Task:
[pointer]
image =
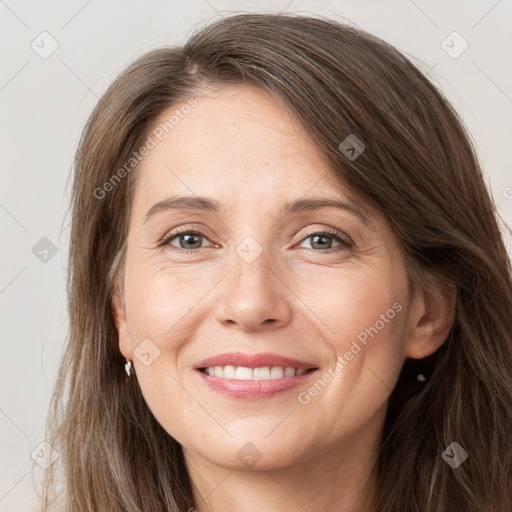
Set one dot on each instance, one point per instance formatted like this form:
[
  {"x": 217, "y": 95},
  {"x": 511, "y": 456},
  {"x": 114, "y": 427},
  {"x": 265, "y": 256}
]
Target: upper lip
[{"x": 253, "y": 361}]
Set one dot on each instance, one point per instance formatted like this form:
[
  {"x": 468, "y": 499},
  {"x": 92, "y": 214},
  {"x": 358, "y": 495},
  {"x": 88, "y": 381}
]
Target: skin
[{"x": 298, "y": 299}]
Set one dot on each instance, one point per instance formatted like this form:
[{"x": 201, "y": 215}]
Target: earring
[{"x": 128, "y": 368}]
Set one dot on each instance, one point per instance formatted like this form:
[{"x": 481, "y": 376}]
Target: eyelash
[{"x": 345, "y": 241}]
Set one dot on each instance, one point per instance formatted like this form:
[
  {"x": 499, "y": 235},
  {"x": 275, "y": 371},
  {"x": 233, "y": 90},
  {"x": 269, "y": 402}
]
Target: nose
[{"x": 255, "y": 296}]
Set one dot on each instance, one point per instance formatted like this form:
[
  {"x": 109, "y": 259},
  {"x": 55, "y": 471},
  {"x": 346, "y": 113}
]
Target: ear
[
  {"x": 431, "y": 319},
  {"x": 119, "y": 312}
]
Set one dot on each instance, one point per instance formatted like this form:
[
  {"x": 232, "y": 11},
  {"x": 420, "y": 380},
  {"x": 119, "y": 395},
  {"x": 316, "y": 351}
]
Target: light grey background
[{"x": 45, "y": 102}]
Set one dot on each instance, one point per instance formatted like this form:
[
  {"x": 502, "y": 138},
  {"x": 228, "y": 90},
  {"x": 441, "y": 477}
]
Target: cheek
[
  {"x": 159, "y": 298},
  {"x": 351, "y": 304},
  {"x": 362, "y": 317}
]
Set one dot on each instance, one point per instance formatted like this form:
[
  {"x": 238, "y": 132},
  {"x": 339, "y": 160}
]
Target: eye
[
  {"x": 189, "y": 240},
  {"x": 320, "y": 239}
]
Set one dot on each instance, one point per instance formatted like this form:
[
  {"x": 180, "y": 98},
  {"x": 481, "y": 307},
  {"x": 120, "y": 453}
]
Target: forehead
[
  {"x": 235, "y": 136},
  {"x": 237, "y": 144}
]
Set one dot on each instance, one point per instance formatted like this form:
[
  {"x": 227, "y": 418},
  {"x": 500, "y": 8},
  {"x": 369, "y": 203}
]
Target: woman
[{"x": 289, "y": 290}]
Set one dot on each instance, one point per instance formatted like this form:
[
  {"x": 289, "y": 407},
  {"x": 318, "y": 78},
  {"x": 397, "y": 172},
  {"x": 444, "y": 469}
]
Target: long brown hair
[{"x": 419, "y": 168}]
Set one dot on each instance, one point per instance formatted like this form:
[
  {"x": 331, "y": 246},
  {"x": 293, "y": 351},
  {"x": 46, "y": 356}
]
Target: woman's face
[{"x": 241, "y": 275}]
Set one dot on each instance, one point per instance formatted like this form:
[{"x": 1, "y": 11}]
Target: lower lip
[{"x": 253, "y": 389}]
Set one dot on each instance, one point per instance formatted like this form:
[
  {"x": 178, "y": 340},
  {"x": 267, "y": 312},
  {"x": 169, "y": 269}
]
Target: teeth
[
  {"x": 229, "y": 372},
  {"x": 289, "y": 372},
  {"x": 262, "y": 373},
  {"x": 244, "y": 373},
  {"x": 277, "y": 372}
]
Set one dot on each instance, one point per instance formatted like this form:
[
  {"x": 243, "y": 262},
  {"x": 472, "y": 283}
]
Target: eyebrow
[{"x": 211, "y": 205}]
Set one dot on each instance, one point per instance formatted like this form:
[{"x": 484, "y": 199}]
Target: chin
[{"x": 250, "y": 453}]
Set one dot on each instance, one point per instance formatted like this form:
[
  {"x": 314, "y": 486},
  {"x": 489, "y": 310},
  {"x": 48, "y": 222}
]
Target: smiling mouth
[{"x": 258, "y": 373}]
